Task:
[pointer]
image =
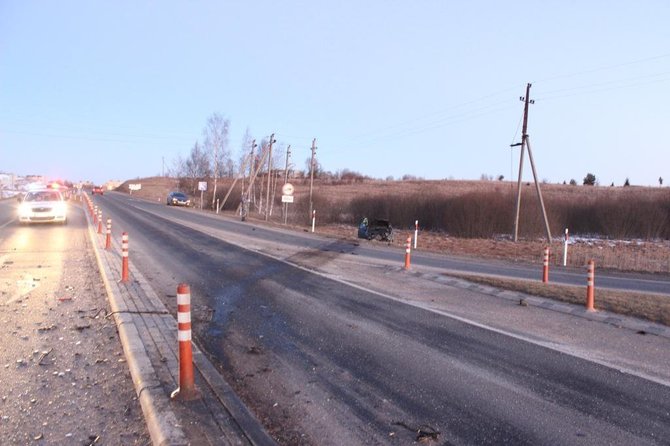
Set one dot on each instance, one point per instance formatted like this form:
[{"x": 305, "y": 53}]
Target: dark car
[
  {"x": 178, "y": 199},
  {"x": 375, "y": 229},
  {"x": 97, "y": 190}
]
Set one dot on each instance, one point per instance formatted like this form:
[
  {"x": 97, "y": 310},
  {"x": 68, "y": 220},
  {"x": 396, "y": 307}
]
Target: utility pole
[
  {"x": 288, "y": 156},
  {"x": 267, "y": 196},
  {"x": 245, "y": 194},
  {"x": 311, "y": 177},
  {"x": 525, "y": 142}
]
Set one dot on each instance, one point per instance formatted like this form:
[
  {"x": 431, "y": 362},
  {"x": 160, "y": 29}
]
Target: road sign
[
  {"x": 137, "y": 186},
  {"x": 287, "y": 198},
  {"x": 202, "y": 185},
  {"x": 287, "y": 189}
]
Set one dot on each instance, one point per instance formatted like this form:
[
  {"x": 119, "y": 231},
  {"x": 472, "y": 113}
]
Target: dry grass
[
  {"x": 652, "y": 307},
  {"x": 636, "y": 255},
  {"x": 642, "y": 256}
]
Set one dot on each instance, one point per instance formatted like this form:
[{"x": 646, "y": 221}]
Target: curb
[
  {"x": 161, "y": 420},
  {"x": 640, "y": 326}
]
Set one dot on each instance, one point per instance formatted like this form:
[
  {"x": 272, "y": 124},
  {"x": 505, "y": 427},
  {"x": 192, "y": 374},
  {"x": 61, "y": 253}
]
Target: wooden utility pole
[
  {"x": 254, "y": 174},
  {"x": 526, "y": 143},
  {"x": 245, "y": 199},
  {"x": 243, "y": 168},
  {"x": 267, "y": 194},
  {"x": 288, "y": 156},
  {"x": 311, "y": 177}
]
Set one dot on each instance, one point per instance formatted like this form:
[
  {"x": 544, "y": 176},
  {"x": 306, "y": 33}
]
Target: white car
[{"x": 46, "y": 205}]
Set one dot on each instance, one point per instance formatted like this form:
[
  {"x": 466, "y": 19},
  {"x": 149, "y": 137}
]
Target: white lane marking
[{"x": 548, "y": 345}]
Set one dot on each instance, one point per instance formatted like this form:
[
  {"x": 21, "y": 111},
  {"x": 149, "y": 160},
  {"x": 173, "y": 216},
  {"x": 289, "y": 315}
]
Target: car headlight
[
  {"x": 24, "y": 209},
  {"x": 60, "y": 208}
]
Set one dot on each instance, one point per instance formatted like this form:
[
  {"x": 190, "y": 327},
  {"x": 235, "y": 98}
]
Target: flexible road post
[
  {"x": 408, "y": 249},
  {"x": 217, "y": 206},
  {"x": 565, "y": 249},
  {"x": 545, "y": 266},
  {"x": 99, "y": 221},
  {"x": 416, "y": 232},
  {"x": 95, "y": 215},
  {"x": 108, "y": 240},
  {"x": 186, "y": 390},
  {"x": 590, "y": 286},
  {"x": 313, "y": 219},
  {"x": 124, "y": 257}
]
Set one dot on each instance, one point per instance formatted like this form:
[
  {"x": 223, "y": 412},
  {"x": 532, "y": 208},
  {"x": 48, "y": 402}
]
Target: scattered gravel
[{"x": 63, "y": 376}]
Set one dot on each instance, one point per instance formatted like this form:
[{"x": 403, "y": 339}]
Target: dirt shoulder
[{"x": 620, "y": 255}]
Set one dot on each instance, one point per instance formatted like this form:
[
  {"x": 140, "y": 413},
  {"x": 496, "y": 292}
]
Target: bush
[
  {"x": 628, "y": 214},
  {"x": 589, "y": 180}
]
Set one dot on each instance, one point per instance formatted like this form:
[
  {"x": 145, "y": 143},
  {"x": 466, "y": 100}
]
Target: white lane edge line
[{"x": 548, "y": 345}]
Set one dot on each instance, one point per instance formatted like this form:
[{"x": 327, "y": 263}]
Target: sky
[{"x": 98, "y": 90}]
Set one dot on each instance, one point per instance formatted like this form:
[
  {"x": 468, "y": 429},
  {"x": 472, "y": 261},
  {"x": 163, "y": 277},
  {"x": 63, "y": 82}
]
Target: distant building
[
  {"x": 7, "y": 180},
  {"x": 112, "y": 184}
]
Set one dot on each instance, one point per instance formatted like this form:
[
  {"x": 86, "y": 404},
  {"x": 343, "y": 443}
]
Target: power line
[
  {"x": 604, "y": 68},
  {"x": 602, "y": 86}
]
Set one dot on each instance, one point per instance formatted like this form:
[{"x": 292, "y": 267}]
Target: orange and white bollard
[
  {"x": 408, "y": 249},
  {"x": 108, "y": 240},
  {"x": 545, "y": 266},
  {"x": 95, "y": 215},
  {"x": 186, "y": 390},
  {"x": 99, "y": 221},
  {"x": 565, "y": 248},
  {"x": 416, "y": 232},
  {"x": 590, "y": 286},
  {"x": 124, "y": 257}
]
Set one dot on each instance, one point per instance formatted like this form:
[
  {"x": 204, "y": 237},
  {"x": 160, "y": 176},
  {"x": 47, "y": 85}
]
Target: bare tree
[
  {"x": 216, "y": 145},
  {"x": 196, "y": 166},
  {"x": 178, "y": 168},
  {"x": 318, "y": 169}
]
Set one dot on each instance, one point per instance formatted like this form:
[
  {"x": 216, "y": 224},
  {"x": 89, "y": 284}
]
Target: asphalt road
[
  {"x": 323, "y": 362},
  {"x": 653, "y": 283}
]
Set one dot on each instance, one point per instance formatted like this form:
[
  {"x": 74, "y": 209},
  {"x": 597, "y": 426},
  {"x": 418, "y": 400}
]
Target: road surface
[{"x": 322, "y": 361}]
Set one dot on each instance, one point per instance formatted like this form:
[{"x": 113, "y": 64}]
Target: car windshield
[
  {"x": 42, "y": 196},
  {"x": 179, "y": 195}
]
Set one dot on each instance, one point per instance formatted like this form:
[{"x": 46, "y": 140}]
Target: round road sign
[{"x": 287, "y": 189}]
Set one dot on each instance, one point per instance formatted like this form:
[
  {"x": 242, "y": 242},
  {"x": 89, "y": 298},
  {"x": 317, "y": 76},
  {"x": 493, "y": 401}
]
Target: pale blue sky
[{"x": 94, "y": 90}]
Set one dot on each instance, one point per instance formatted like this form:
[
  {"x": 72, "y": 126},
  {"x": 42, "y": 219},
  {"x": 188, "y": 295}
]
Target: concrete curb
[
  {"x": 634, "y": 324},
  {"x": 161, "y": 420}
]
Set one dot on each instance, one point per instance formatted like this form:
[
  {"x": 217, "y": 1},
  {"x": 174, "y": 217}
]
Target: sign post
[
  {"x": 286, "y": 198},
  {"x": 202, "y": 187}
]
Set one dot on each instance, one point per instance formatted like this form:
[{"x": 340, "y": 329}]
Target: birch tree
[
  {"x": 216, "y": 146},
  {"x": 197, "y": 166}
]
